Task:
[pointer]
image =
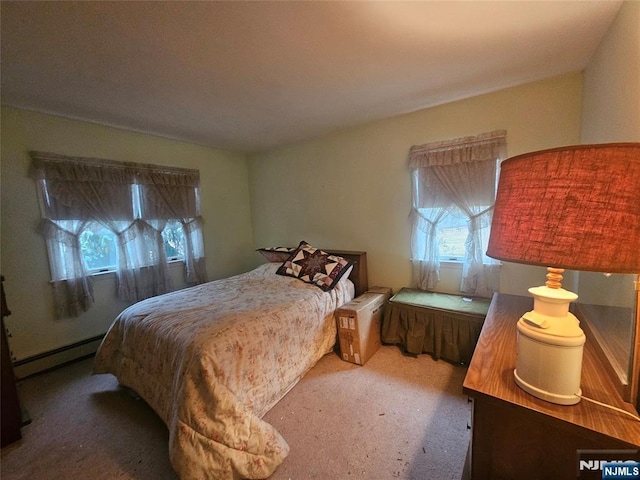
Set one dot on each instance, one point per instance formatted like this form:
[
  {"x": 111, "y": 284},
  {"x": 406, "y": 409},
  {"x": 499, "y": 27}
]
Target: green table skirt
[{"x": 443, "y": 325}]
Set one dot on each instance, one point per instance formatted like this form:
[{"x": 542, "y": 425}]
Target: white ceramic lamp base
[{"x": 550, "y": 348}]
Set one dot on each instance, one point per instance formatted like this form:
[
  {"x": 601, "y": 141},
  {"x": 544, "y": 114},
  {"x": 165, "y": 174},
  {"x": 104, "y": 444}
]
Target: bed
[{"x": 212, "y": 359}]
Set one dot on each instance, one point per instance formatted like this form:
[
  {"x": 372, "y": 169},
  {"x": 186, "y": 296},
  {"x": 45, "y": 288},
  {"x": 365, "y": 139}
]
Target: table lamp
[{"x": 578, "y": 208}]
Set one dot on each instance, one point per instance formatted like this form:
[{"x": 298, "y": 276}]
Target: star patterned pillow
[{"x": 314, "y": 266}]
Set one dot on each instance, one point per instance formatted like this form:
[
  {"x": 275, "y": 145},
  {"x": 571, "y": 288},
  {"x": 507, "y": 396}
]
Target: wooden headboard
[{"x": 359, "y": 273}]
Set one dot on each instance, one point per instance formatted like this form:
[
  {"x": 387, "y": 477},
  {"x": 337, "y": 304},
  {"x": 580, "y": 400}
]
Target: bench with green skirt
[{"x": 444, "y": 325}]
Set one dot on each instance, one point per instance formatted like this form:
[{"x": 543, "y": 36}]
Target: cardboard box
[
  {"x": 359, "y": 326},
  {"x": 383, "y": 290}
]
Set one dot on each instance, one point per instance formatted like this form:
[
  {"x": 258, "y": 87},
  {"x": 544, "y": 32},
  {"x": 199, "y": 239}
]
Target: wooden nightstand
[{"x": 518, "y": 436}]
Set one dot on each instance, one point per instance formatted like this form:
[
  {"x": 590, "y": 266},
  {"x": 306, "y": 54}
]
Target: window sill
[
  {"x": 102, "y": 273},
  {"x": 107, "y": 273},
  {"x": 457, "y": 263},
  {"x": 451, "y": 263}
]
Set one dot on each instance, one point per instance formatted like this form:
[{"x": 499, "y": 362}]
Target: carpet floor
[{"x": 397, "y": 417}]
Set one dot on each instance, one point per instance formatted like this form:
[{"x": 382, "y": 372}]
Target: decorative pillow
[
  {"x": 276, "y": 254},
  {"x": 314, "y": 266}
]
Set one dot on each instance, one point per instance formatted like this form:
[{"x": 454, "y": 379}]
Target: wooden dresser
[
  {"x": 10, "y": 406},
  {"x": 518, "y": 436}
]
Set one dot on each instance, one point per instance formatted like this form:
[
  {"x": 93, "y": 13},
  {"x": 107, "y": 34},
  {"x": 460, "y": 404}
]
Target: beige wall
[
  {"x": 611, "y": 101},
  {"x": 351, "y": 189},
  {"x": 24, "y": 264}
]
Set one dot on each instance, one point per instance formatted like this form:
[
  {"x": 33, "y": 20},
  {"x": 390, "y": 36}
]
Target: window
[
  {"x": 451, "y": 241},
  {"x": 98, "y": 247},
  {"x": 101, "y": 215},
  {"x": 453, "y": 192},
  {"x": 452, "y": 234},
  {"x": 173, "y": 238},
  {"x": 100, "y": 253}
]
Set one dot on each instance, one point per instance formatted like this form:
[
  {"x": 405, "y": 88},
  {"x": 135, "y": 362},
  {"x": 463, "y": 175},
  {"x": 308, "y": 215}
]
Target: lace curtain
[
  {"x": 134, "y": 201},
  {"x": 166, "y": 197},
  {"x": 453, "y": 183}
]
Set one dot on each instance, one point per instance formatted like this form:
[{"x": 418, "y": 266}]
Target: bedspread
[{"x": 212, "y": 359}]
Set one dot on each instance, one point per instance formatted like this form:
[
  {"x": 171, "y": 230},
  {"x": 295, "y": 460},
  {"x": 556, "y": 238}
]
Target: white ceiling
[{"x": 249, "y": 76}]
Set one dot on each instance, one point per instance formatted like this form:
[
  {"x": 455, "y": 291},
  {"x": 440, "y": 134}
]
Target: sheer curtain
[
  {"x": 427, "y": 213},
  {"x": 142, "y": 263},
  {"x": 74, "y": 191},
  {"x": 455, "y": 179},
  {"x": 72, "y": 288},
  {"x": 168, "y": 196}
]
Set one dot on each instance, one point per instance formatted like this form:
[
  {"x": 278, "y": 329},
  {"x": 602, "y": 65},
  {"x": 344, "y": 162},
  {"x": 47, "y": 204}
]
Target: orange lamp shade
[{"x": 575, "y": 207}]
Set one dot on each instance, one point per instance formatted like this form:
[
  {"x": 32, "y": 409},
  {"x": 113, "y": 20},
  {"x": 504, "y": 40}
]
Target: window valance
[
  {"x": 483, "y": 147},
  {"x": 50, "y": 166}
]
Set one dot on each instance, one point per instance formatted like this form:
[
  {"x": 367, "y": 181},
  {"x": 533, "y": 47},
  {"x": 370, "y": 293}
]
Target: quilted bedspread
[{"x": 212, "y": 359}]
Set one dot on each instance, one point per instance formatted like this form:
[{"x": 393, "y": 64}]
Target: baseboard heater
[{"x": 56, "y": 358}]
